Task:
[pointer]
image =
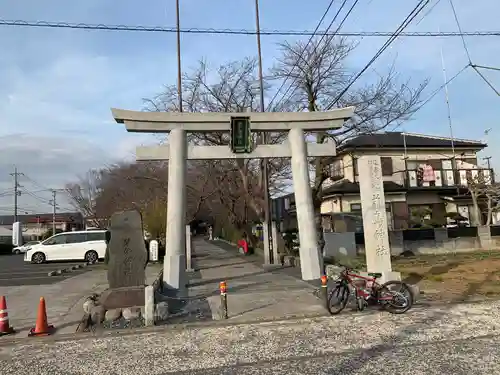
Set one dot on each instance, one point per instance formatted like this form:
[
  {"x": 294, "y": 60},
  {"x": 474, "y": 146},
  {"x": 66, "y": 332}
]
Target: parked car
[
  {"x": 87, "y": 246},
  {"x": 23, "y": 248}
]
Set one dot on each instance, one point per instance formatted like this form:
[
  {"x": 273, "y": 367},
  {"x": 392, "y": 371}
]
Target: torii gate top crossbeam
[{"x": 164, "y": 122}]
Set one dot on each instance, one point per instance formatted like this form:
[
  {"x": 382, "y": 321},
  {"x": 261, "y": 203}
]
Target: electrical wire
[
  {"x": 486, "y": 80},
  {"x": 460, "y": 30},
  {"x": 475, "y": 67},
  {"x": 43, "y": 187},
  {"x": 434, "y": 93},
  {"x": 415, "y": 11},
  {"x": 161, "y": 29},
  {"x": 295, "y": 87},
  {"x": 428, "y": 12},
  {"x": 303, "y": 50}
]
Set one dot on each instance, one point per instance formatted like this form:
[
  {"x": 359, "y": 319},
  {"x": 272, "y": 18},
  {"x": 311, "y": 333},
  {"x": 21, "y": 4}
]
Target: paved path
[
  {"x": 458, "y": 340},
  {"x": 64, "y": 300},
  {"x": 253, "y": 293},
  {"x": 14, "y": 271}
]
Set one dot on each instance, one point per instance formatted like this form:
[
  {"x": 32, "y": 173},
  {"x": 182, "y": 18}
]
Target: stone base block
[{"x": 122, "y": 297}]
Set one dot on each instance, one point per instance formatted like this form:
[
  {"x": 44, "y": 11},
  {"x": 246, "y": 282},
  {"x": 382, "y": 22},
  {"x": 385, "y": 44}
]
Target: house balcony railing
[
  {"x": 336, "y": 174},
  {"x": 450, "y": 178}
]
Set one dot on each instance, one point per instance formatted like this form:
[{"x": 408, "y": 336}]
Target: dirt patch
[{"x": 453, "y": 277}]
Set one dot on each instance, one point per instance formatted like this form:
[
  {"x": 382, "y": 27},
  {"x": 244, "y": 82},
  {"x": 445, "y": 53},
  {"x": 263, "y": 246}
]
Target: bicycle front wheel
[{"x": 337, "y": 299}]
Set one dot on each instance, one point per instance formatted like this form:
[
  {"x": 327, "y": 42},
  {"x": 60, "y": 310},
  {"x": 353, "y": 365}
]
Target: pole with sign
[
  {"x": 153, "y": 251},
  {"x": 17, "y": 234}
]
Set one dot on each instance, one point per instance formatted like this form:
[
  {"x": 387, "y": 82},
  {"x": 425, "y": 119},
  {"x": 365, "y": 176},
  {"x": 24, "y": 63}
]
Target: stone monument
[
  {"x": 371, "y": 186},
  {"x": 127, "y": 262}
]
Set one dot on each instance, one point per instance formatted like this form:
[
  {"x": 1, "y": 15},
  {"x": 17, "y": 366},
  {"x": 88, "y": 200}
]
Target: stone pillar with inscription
[{"x": 377, "y": 249}]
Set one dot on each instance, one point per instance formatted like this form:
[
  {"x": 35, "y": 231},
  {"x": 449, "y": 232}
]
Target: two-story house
[{"x": 425, "y": 178}]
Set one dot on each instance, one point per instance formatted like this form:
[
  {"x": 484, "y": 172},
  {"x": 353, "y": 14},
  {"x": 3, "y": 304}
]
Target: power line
[
  {"x": 303, "y": 50},
  {"x": 475, "y": 67},
  {"x": 415, "y": 11},
  {"x": 428, "y": 12},
  {"x": 325, "y": 44},
  {"x": 161, "y": 29},
  {"x": 460, "y": 30}
]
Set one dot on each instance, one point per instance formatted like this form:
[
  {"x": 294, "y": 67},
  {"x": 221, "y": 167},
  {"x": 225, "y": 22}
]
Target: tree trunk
[{"x": 477, "y": 212}]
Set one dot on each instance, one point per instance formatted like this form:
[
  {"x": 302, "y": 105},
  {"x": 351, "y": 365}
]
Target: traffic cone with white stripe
[{"x": 5, "y": 328}]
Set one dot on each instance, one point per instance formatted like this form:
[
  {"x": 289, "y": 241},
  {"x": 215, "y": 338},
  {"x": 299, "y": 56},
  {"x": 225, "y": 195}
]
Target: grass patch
[
  {"x": 448, "y": 277},
  {"x": 453, "y": 277}
]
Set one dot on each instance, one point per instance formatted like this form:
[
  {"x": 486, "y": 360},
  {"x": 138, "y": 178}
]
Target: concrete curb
[
  {"x": 59, "y": 272},
  {"x": 162, "y": 327}
]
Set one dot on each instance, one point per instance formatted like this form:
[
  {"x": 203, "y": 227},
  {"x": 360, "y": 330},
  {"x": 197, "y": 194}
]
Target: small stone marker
[
  {"x": 127, "y": 251},
  {"x": 149, "y": 306},
  {"x": 153, "y": 251},
  {"x": 189, "y": 248}
]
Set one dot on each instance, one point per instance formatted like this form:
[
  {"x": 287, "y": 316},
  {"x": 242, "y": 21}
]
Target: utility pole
[
  {"x": 263, "y": 140},
  {"x": 17, "y": 193},
  {"x": 179, "y": 68},
  {"x": 53, "y": 201}
]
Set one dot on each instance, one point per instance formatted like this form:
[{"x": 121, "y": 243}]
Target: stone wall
[
  {"x": 440, "y": 245},
  {"x": 336, "y": 244}
]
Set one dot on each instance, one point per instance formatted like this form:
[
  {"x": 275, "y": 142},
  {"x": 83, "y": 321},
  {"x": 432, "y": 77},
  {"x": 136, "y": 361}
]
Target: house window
[
  {"x": 356, "y": 207},
  {"x": 337, "y": 169},
  {"x": 386, "y": 163}
]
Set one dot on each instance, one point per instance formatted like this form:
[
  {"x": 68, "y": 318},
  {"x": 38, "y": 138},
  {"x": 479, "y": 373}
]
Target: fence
[
  {"x": 419, "y": 241},
  {"x": 430, "y": 233}
]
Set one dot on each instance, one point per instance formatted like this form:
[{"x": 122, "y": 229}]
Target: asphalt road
[{"x": 14, "y": 271}]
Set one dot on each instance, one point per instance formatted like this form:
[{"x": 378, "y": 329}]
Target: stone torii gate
[{"x": 177, "y": 151}]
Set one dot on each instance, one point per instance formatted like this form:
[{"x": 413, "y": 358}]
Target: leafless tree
[
  {"x": 485, "y": 195},
  {"x": 233, "y": 88},
  {"x": 83, "y": 194},
  {"x": 140, "y": 186},
  {"x": 318, "y": 73}
]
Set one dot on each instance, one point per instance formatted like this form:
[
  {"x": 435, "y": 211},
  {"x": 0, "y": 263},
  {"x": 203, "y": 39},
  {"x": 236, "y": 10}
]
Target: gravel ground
[
  {"x": 123, "y": 323},
  {"x": 462, "y": 339}
]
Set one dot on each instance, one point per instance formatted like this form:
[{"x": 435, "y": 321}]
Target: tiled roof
[{"x": 399, "y": 139}]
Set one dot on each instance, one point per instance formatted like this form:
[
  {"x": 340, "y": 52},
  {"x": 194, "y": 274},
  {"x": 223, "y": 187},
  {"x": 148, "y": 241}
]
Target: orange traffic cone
[
  {"x": 5, "y": 328},
  {"x": 42, "y": 328}
]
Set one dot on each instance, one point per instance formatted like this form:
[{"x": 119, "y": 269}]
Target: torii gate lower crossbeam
[{"x": 178, "y": 152}]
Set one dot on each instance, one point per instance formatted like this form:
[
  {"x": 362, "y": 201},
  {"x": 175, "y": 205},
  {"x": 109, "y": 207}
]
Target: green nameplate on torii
[{"x": 240, "y": 137}]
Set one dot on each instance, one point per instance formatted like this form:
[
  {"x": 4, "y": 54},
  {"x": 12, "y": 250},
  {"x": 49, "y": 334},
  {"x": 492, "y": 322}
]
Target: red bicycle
[{"x": 368, "y": 291}]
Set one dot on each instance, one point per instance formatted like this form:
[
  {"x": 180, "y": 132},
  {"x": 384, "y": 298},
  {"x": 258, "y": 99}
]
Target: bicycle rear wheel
[
  {"x": 337, "y": 298},
  {"x": 395, "y": 297}
]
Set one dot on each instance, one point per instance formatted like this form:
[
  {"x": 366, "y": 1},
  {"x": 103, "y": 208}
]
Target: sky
[{"x": 57, "y": 85}]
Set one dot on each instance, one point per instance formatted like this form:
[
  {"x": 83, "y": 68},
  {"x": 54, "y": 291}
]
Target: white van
[{"x": 83, "y": 245}]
